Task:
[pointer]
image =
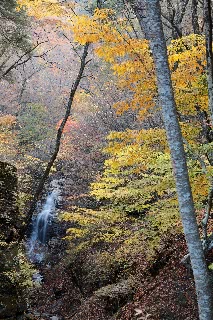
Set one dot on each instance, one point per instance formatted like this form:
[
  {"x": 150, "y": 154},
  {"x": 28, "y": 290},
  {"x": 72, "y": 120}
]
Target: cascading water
[
  {"x": 40, "y": 228},
  {"x": 44, "y": 218}
]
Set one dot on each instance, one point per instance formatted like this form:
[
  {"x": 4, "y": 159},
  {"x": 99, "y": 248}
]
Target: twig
[{"x": 18, "y": 62}]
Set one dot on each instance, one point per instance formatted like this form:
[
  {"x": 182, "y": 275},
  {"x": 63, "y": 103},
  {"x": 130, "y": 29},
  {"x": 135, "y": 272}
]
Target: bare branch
[
  {"x": 57, "y": 143},
  {"x": 18, "y": 62}
]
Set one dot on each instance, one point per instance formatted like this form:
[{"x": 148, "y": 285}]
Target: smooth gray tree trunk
[
  {"x": 207, "y": 13},
  {"x": 149, "y": 15}
]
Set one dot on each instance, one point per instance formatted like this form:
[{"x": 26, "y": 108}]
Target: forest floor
[{"x": 163, "y": 289}]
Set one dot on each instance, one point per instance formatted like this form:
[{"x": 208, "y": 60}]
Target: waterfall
[
  {"x": 40, "y": 227},
  {"x": 44, "y": 218}
]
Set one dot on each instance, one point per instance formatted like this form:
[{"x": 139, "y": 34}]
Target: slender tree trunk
[
  {"x": 57, "y": 142},
  {"x": 195, "y": 24},
  {"x": 209, "y": 57},
  {"x": 149, "y": 15}
]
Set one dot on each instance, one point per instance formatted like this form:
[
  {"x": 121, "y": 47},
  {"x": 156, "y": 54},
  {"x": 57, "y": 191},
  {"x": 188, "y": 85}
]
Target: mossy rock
[{"x": 9, "y": 216}]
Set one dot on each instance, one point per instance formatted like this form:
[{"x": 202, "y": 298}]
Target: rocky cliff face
[
  {"x": 8, "y": 245},
  {"x": 8, "y": 201}
]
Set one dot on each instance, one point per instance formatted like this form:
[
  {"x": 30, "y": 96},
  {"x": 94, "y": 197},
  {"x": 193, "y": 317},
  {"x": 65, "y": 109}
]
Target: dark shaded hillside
[
  {"x": 15, "y": 271},
  {"x": 168, "y": 288}
]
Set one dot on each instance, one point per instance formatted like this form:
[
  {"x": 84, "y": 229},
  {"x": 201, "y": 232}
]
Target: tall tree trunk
[
  {"x": 195, "y": 24},
  {"x": 57, "y": 142},
  {"x": 149, "y": 14},
  {"x": 209, "y": 57}
]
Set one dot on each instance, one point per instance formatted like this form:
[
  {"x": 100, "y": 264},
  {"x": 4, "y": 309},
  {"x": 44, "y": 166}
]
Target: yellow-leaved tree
[
  {"x": 132, "y": 159},
  {"x": 137, "y": 177}
]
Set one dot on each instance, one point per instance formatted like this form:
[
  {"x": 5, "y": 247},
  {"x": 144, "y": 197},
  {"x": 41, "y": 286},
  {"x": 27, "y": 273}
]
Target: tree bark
[
  {"x": 149, "y": 14},
  {"x": 195, "y": 24},
  {"x": 209, "y": 57},
  {"x": 57, "y": 142}
]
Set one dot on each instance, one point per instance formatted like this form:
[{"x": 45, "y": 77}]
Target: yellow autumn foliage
[
  {"x": 137, "y": 177},
  {"x": 42, "y": 9}
]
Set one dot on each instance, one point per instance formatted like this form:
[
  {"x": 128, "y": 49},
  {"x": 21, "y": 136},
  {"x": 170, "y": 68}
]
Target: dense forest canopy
[{"x": 84, "y": 111}]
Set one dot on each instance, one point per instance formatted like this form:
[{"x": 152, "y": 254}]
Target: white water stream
[{"x": 41, "y": 225}]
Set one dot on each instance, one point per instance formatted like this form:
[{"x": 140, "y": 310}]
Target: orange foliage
[
  {"x": 70, "y": 124},
  {"x": 7, "y": 121}
]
